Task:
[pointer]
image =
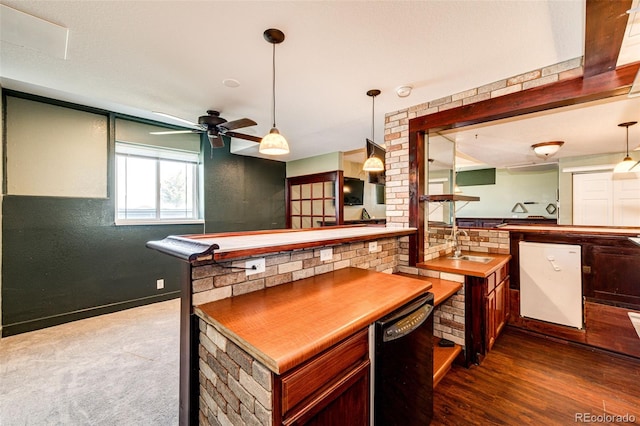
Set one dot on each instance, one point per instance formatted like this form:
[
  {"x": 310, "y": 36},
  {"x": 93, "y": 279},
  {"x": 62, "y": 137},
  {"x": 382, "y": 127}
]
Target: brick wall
[
  {"x": 235, "y": 389},
  {"x": 397, "y": 130},
  {"x": 212, "y": 282},
  {"x": 478, "y": 240}
]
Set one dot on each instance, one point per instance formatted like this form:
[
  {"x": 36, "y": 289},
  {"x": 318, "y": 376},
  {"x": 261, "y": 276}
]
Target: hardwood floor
[{"x": 532, "y": 380}]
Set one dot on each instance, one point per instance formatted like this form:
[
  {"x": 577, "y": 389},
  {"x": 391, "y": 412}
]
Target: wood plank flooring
[{"x": 531, "y": 380}]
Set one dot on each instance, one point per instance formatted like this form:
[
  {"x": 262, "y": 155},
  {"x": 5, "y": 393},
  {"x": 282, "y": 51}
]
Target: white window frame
[{"x": 125, "y": 149}]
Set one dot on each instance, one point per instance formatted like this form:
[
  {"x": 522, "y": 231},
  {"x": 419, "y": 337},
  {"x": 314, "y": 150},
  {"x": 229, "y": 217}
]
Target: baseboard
[{"x": 40, "y": 323}]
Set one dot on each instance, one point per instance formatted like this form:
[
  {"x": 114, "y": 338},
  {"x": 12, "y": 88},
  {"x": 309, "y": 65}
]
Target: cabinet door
[
  {"x": 490, "y": 319},
  {"x": 501, "y": 306},
  {"x": 347, "y": 404}
]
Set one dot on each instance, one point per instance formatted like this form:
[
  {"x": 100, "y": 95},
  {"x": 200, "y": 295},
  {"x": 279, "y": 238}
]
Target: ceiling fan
[{"x": 214, "y": 126}]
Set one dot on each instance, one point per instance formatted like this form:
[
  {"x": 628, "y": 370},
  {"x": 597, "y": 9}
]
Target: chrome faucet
[{"x": 456, "y": 242}]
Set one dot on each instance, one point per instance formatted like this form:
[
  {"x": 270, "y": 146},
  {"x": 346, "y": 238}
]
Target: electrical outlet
[
  {"x": 160, "y": 284},
  {"x": 326, "y": 254},
  {"x": 373, "y": 246},
  {"x": 259, "y": 266}
]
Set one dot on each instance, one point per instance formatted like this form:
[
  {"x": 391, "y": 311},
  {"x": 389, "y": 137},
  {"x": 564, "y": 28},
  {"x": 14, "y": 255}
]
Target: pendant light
[
  {"x": 628, "y": 163},
  {"x": 373, "y": 163},
  {"x": 274, "y": 143}
]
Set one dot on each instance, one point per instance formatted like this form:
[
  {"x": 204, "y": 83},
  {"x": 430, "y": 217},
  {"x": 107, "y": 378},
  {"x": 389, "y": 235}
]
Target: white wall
[{"x": 312, "y": 165}]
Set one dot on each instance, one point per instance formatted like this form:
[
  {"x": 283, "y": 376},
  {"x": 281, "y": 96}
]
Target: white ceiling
[
  {"x": 585, "y": 129},
  {"x": 137, "y": 57}
]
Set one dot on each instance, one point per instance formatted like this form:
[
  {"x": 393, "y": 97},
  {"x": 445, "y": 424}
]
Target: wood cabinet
[
  {"x": 486, "y": 312},
  {"x": 331, "y": 388}
]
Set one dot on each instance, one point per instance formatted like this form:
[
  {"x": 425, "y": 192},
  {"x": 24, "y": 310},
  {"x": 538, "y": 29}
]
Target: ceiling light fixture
[
  {"x": 274, "y": 143},
  {"x": 546, "y": 149},
  {"x": 373, "y": 163},
  {"x": 628, "y": 163}
]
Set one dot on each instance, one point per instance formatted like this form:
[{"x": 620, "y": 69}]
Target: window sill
[{"x": 125, "y": 222}]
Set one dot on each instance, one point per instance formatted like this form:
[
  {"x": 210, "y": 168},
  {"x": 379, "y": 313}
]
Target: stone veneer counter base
[{"x": 285, "y": 325}]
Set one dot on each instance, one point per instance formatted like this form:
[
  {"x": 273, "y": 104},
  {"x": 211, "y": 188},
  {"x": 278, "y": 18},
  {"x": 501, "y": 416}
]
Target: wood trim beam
[
  {"x": 563, "y": 93},
  {"x": 605, "y": 26}
]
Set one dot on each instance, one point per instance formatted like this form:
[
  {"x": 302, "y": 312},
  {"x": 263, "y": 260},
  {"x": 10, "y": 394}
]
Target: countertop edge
[
  {"x": 454, "y": 267},
  {"x": 193, "y": 248}
]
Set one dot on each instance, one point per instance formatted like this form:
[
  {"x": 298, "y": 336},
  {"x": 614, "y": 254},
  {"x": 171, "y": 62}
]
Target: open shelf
[
  {"x": 448, "y": 197},
  {"x": 442, "y": 360}
]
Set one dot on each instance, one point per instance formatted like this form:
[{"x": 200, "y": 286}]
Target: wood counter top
[
  {"x": 285, "y": 325},
  {"x": 466, "y": 267},
  {"x": 574, "y": 229}
]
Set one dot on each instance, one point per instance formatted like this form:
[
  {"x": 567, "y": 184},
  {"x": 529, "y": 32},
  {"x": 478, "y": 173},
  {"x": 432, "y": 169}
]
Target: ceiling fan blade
[
  {"x": 236, "y": 124},
  {"x": 243, "y": 136},
  {"x": 175, "y": 132},
  {"x": 173, "y": 117}
]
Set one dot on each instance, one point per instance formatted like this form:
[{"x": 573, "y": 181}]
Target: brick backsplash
[
  {"x": 212, "y": 282},
  {"x": 397, "y": 141}
]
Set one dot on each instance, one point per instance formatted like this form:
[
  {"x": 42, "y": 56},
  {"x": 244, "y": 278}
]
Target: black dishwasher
[{"x": 403, "y": 365}]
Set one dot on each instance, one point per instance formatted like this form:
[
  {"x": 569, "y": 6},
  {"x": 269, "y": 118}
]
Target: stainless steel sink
[{"x": 479, "y": 259}]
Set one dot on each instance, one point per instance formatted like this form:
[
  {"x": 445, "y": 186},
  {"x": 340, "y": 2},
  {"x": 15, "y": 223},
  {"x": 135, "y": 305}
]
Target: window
[{"x": 156, "y": 185}]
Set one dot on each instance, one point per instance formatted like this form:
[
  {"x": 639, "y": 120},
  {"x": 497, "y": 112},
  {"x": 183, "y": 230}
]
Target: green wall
[
  {"x": 242, "y": 193},
  {"x": 497, "y": 201},
  {"x": 64, "y": 259}
]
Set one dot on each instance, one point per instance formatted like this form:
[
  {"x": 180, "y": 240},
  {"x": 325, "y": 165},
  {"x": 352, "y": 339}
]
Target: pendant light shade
[
  {"x": 628, "y": 163},
  {"x": 274, "y": 143},
  {"x": 373, "y": 163}
]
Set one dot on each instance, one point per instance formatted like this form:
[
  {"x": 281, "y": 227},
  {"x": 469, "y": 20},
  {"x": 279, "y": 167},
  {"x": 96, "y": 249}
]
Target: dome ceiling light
[{"x": 547, "y": 149}]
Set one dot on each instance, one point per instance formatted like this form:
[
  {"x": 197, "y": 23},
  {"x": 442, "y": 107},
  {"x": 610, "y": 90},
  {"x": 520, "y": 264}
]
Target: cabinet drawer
[
  {"x": 491, "y": 282},
  {"x": 502, "y": 273},
  {"x": 324, "y": 369}
]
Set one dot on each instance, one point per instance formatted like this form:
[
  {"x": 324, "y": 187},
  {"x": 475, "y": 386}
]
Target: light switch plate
[
  {"x": 258, "y": 263},
  {"x": 373, "y": 246},
  {"x": 326, "y": 254}
]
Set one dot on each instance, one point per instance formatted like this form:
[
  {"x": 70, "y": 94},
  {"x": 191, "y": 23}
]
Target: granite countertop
[
  {"x": 467, "y": 267},
  {"x": 284, "y": 326}
]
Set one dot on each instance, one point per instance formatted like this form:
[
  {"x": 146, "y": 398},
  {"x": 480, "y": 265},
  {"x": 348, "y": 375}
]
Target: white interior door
[
  {"x": 593, "y": 199},
  {"x": 626, "y": 199}
]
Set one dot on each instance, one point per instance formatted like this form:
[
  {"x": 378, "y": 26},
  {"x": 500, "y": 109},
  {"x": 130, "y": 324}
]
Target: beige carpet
[{"x": 115, "y": 369}]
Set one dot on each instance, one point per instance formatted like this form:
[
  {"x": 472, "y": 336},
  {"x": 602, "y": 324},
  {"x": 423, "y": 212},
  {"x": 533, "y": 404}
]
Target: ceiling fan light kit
[
  {"x": 547, "y": 149},
  {"x": 274, "y": 143},
  {"x": 373, "y": 163},
  {"x": 628, "y": 163}
]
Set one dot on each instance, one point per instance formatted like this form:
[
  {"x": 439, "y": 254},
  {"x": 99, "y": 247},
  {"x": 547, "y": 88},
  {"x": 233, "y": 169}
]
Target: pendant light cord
[
  {"x": 627, "y": 141},
  {"x": 273, "y": 85},
  {"x": 373, "y": 123}
]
